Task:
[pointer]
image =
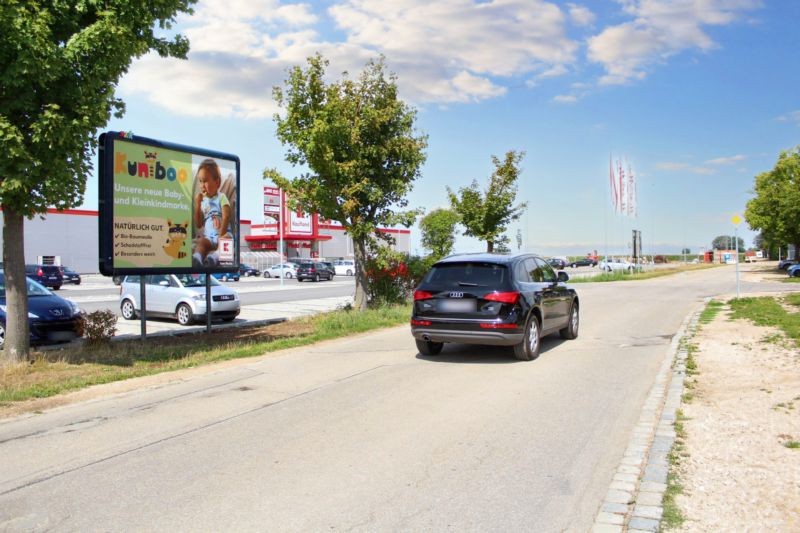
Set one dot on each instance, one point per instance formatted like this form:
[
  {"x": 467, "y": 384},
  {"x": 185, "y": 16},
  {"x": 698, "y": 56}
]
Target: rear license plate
[
  {"x": 58, "y": 336},
  {"x": 457, "y": 306}
]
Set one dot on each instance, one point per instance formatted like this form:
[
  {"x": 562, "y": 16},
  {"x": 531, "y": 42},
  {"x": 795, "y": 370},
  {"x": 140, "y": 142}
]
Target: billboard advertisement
[{"x": 166, "y": 207}]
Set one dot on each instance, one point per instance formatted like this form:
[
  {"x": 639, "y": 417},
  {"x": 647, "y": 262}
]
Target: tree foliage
[
  {"x": 485, "y": 215},
  {"x": 438, "y": 232},
  {"x": 357, "y": 140},
  {"x": 727, "y": 242},
  {"x": 59, "y": 65},
  {"x": 775, "y": 209}
]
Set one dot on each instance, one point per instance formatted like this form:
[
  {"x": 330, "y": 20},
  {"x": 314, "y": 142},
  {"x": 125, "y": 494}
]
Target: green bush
[
  {"x": 392, "y": 276},
  {"x": 98, "y": 326}
]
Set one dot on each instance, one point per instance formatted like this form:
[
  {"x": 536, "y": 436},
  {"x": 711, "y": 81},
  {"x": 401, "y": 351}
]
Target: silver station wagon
[{"x": 178, "y": 296}]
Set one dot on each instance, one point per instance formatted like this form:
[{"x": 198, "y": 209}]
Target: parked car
[
  {"x": 784, "y": 264},
  {"x": 582, "y": 262},
  {"x": 314, "y": 271},
  {"x": 557, "y": 263},
  {"x": 330, "y": 267},
  {"x": 247, "y": 270},
  {"x": 287, "y": 270},
  {"x": 48, "y": 275},
  {"x": 226, "y": 276},
  {"x": 51, "y": 318},
  {"x": 616, "y": 265},
  {"x": 178, "y": 296},
  {"x": 794, "y": 271},
  {"x": 503, "y": 300},
  {"x": 70, "y": 276},
  {"x": 344, "y": 267}
]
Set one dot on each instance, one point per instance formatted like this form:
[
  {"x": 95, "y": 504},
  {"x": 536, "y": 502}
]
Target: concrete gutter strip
[{"x": 634, "y": 499}]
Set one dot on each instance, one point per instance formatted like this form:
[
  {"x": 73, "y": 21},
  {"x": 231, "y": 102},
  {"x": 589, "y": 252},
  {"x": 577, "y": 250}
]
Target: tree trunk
[
  {"x": 17, "y": 334},
  {"x": 360, "y": 299},
  {"x": 490, "y": 246}
]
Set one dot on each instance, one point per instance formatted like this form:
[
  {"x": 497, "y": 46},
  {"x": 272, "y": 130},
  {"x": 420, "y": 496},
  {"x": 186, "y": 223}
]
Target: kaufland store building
[{"x": 72, "y": 235}]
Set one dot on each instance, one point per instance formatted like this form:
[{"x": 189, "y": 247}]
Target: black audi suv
[{"x": 502, "y": 300}]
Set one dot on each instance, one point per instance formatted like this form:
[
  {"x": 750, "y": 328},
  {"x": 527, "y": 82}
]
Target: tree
[
  {"x": 60, "y": 64},
  {"x": 775, "y": 209},
  {"x": 438, "y": 232},
  {"x": 727, "y": 242},
  {"x": 357, "y": 139},
  {"x": 502, "y": 245},
  {"x": 486, "y": 215}
]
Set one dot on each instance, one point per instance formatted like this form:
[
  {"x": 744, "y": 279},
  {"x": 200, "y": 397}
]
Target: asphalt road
[{"x": 362, "y": 433}]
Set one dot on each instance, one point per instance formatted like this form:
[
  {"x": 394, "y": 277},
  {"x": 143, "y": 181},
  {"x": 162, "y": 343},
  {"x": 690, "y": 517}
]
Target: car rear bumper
[{"x": 493, "y": 337}]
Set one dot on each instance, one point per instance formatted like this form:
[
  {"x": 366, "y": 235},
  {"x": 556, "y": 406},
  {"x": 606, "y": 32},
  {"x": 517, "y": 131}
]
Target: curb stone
[{"x": 646, "y": 457}]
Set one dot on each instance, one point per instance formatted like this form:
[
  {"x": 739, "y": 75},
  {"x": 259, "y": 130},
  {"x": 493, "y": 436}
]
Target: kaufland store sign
[{"x": 296, "y": 223}]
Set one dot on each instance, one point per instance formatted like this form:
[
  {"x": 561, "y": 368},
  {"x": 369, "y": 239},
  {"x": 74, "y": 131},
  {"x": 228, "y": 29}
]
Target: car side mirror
[
  {"x": 563, "y": 276},
  {"x": 164, "y": 283}
]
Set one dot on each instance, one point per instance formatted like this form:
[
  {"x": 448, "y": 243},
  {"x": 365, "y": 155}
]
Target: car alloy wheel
[
  {"x": 128, "y": 310},
  {"x": 316, "y": 277},
  {"x": 570, "y": 332},
  {"x": 528, "y": 349},
  {"x": 349, "y": 272},
  {"x": 2, "y": 335},
  {"x": 289, "y": 276},
  {"x": 184, "y": 315}
]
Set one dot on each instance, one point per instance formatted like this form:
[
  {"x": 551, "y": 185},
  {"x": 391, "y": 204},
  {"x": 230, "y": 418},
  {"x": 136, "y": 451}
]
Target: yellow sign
[{"x": 736, "y": 219}]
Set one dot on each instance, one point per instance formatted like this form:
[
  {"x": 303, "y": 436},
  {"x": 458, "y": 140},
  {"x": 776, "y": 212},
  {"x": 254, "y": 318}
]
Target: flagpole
[{"x": 280, "y": 234}]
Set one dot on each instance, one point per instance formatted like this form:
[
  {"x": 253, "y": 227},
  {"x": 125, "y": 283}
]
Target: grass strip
[
  {"x": 672, "y": 516},
  {"x": 710, "y": 311},
  {"x": 635, "y": 276},
  {"x": 767, "y": 311},
  {"x": 57, "y": 372}
]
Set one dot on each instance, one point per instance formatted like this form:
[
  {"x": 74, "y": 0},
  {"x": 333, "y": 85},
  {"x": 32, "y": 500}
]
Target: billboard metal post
[
  {"x": 208, "y": 303},
  {"x": 143, "y": 307}
]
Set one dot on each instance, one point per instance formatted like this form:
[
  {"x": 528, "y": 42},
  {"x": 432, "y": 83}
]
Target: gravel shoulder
[{"x": 737, "y": 472}]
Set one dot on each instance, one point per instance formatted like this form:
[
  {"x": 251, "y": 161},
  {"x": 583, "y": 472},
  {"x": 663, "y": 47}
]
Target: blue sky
[{"x": 699, "y": 95}]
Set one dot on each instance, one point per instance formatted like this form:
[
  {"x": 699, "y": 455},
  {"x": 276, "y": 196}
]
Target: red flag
[
  {"x": 614, "y": 197},
  {"x": 622, "y": 196}
]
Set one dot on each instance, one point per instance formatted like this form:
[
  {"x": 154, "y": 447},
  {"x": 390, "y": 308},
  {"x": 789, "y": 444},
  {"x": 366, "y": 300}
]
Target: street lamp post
[{"x": 736, "y": 219}]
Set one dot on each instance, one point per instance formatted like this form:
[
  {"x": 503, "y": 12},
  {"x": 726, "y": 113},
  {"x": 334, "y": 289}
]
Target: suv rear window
[{"x": 452, "y": 275}]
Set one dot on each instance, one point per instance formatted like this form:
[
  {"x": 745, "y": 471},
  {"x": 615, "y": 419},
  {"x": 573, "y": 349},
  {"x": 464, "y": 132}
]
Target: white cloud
[
  {"x": 426, "y": 41},
  {"x": 794, "y": 116},
  {"x": 580, "y": 15},
  {"x": 726, "y": 160},
  {"x": 683, "y": 167},
  {"x": 671, "y": 166},
  {"x": 565, "y": 99},
  {"x": 659, "y": 29},
  {"x": 446, "y": 51}
]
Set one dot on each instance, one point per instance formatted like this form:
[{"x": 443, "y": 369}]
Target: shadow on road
[{"x": 485, "y": 355}]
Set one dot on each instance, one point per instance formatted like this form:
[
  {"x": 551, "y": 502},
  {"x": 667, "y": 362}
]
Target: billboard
[{"x": 166, "y": 208}]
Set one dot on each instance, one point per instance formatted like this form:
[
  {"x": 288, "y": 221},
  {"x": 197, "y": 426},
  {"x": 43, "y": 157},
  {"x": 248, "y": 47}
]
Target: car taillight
[
  {"x": 503, "y": 297},
  {"x": 495, "y": 325},
  {"x": 422, "y": 295},
  {"x": 39, "y": 272},
  {"x": 420, "y": 322}
]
